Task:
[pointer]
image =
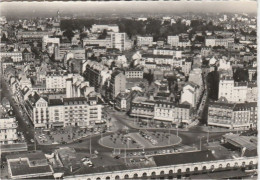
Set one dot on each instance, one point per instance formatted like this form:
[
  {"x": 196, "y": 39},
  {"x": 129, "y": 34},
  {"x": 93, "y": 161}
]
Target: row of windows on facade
[{"x": 170, "y": 172}]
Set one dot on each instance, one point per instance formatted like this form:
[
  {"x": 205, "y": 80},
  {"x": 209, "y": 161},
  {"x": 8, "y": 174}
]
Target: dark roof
[
  {"x": 23, "y": 168},
  {"x": 55, "y": 102},
  {"x": 26, "y": 50},
  {"x": 242, "y": 106},
  {"x": 184, "y": 158},
  {"x": 221, "y": 175},
  {"x": 75, "y": 100},
  {"x": 31, "y": 156},
  {"x": 7, "y": 60},
  {"x": 156, "y": 56},
  {"x": 221, "y": 105},
  {"x": 187, "y": 106},
  {"x": 163, "y": 94}
]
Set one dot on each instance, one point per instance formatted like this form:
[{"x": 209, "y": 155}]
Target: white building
[
  {"x": 118, "y": 41},
  {"x": 213, "y": 41},
  {"x": 56, "y": 80},
  {"x": 186, "y": 67},
  {"x": 170, "y": 52},
  {"x": 15, "y": 55},
  {"x": 173, "y": 40},
  {"x": 134, "y": 73},
  {"x": 190, "y": 94},
  {"x": 75, "y": 111},
  {"x": 8, "y": 130},
  {"x": 46, "y": 40},
  {"x": 100, "y": 42},
  {"x": 76, "y": 86},
  {"x": 233, "y": 91},
  {"x": 195, "y": 76},
  {"x": 144, "y": 40}
]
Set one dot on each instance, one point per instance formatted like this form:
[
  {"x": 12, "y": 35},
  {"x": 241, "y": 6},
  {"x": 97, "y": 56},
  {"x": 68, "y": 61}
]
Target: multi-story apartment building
[
  {"x": 144, "y": 40},
  {"x": 56, "y": 80},
  {"x": 41, "y": 113},
  {"x": 46, "y": 41},
  {"x": 195, "y": 76},
  {"x": 122, "y": 101},
  {"x": 184, "y": 43},
  {"x": 162, "y": 59},
  {"x": 143, "y": 108},
  {"x": 101, "y": 27},
  {"x": 252, "y": 94},
  {"x": 213, "y": 41},
  {"x": 166, "y": 111},
  {"x": 232, "y": 116},
  {"x": 75, "y": 111},
  {"x": 160, "y": 111},
  {"x": 134, "y": 73},
  {"x": 169, "y": 52},
  {"x": 76, "y": 86},
  {"x": 186, "y": 67},
  {"x": 100, "y": 42},
  {"x": 16, "y": 56},
  {"x": 236, "y": 91},
  {"x": 33, "y": 34},
  {"x": 56, "y": 113},
  {"x": 117, "y": 84},
  {"x": 173, "y": 40},
  {"x": 118, "y": 41},
  {"x": 8, "y": 130},
  {"x": 190, "y": 94},
  {"x": 96, "y": 74}
]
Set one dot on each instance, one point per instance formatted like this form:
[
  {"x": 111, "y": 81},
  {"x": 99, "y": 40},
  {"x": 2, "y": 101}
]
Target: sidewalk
[
  {"x": 130, "y": 123},
  {"x": 215, "y": 129}
]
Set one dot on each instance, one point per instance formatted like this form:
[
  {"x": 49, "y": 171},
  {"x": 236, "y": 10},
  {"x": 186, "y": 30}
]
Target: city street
[
  {"x": 28, "y": 131},
  {"x": 190, "y": 137}
]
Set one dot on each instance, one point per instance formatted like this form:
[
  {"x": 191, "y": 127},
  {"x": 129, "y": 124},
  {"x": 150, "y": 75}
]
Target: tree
[
  {"x": 4, "y": 38},
  {"x": 241, "y": 75},
  {"x": 69, "y": 34},
  {"x": 148, "y": 77},
  {"x": 103, "y": 35}
]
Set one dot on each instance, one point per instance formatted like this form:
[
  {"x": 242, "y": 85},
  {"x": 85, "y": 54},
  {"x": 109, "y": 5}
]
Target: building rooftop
[
  {"x": 29, "y": 164},
  {"x": 156, "y": 56},
  {"x": 184, "y": 158},
  {"x": 250, "y": 142}
]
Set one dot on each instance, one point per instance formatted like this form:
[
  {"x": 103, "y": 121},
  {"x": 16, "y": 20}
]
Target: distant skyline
[{"x": 48, "y": 9}]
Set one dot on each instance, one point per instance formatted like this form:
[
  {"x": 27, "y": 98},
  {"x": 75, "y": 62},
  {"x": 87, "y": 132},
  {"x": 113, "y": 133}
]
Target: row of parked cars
[{"x": 148, "y": 137}]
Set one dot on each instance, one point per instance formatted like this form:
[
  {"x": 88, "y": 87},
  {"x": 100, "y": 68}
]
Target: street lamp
[
  {"x": 90, "y": 145},
  {"x": 177, "y": 130},
  {"x": 208, "y": 135}
]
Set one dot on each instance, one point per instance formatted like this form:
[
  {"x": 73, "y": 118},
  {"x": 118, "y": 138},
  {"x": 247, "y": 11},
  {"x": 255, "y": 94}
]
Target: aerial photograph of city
[{"x": 128, "y": 90}]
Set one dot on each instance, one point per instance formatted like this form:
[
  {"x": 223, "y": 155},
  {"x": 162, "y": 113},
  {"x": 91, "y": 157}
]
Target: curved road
[{"x": 190, "y": 137}]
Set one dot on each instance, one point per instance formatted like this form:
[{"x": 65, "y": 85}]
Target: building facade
[
  {"x": 8, "y": 130},
  {"x": 75, "y": 111},
  {"x": 118, "y": 41},
  {"x": 117, "y": 84},
  {"x": 144, "y": 40},
  {"x": 232, "y": 116},
  {"x": 237, "y": 91}
]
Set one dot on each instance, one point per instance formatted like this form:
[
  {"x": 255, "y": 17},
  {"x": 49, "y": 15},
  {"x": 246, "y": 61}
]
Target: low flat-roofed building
[
  {"x": 28, "y": 165},
  {"x": 248, "y": 142}
]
